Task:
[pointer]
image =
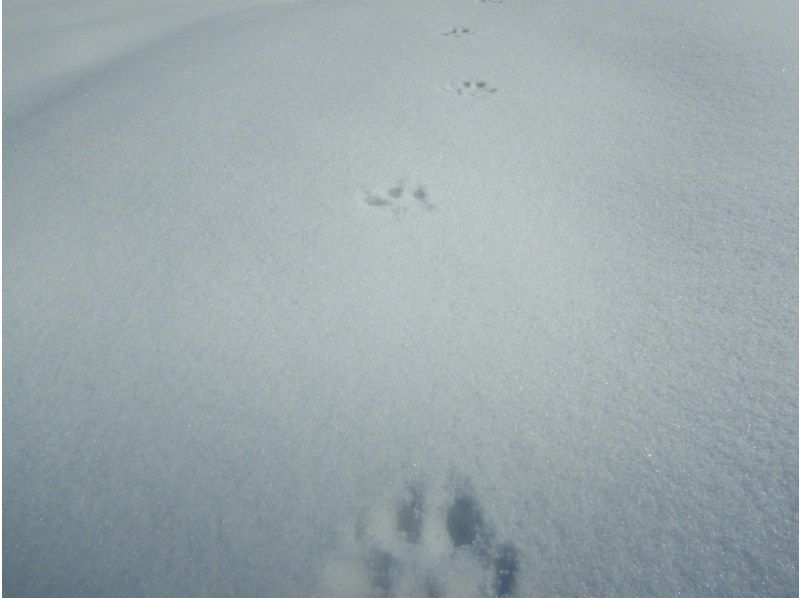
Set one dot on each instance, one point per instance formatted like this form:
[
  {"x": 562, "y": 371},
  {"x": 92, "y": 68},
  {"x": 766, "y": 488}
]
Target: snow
[{"x": 270, "y": 264}]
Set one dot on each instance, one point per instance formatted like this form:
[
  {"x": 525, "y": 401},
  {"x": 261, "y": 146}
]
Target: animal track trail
[
  {"x": 400, "y": 199},
  {"x": 430, "y": 540},
  {"x": 458, "y": 32}
]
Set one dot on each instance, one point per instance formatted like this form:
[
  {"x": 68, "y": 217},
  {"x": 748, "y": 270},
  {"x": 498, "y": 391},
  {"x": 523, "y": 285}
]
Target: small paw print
[
  {"x": 457, "y": 32},
  {"x": 477, "y": 87},
  {"x": 400, "y": 198}
]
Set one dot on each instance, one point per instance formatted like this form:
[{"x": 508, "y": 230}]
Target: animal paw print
[
  {"x": 400, "y": 198},
  {"x": 476, "y": 87},
  {"x": 457, "y": 32},
  {"x": 428, "y": 541}
]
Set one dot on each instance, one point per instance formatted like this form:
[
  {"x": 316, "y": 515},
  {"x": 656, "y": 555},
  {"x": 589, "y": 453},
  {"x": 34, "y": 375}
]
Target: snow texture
[{"x": 400, "y": 298}]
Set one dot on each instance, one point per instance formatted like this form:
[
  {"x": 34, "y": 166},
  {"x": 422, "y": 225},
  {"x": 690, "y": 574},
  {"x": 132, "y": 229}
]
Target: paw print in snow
[
  {"x": 478, "y": 87},
  {"x": 400, "y": 198},
  {"x": 458, "y": 32},
  {"x": 432, "y": 541}
]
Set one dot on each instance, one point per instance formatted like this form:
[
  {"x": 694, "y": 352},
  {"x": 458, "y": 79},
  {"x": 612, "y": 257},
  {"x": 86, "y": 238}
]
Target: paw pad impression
[{"x": 432, "y": 541}]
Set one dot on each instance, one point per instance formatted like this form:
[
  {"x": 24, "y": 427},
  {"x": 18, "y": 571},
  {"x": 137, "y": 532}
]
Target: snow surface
[{"x": 267, "y": 264}]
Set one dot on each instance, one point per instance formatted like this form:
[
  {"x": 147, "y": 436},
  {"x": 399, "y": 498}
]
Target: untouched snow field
[{"x": 364, "y": 298}]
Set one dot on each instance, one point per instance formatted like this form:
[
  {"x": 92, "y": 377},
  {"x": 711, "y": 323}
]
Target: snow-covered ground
[{"x": 374, "y": 297}]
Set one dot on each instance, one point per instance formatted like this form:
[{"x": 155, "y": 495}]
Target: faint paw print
[{"x": 400, "y": 198}]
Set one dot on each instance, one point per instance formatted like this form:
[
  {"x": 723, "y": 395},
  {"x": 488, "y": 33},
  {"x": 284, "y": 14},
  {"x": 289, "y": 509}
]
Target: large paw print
[{"x": 431, "y": 541}]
